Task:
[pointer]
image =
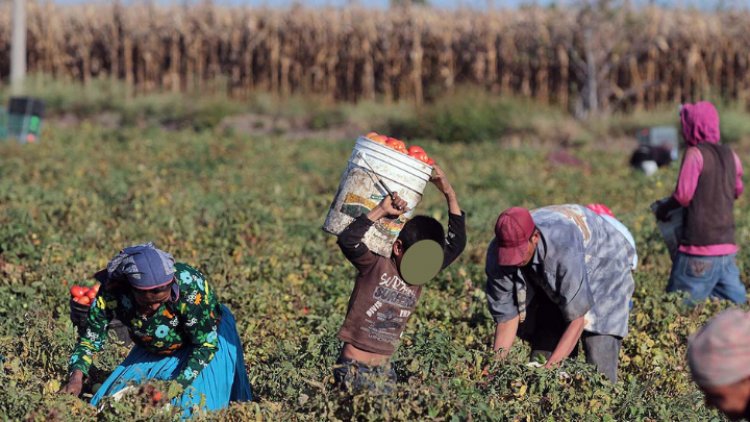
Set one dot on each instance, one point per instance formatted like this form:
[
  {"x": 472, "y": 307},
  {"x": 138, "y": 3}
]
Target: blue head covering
[{"x": 143, "y": 266}]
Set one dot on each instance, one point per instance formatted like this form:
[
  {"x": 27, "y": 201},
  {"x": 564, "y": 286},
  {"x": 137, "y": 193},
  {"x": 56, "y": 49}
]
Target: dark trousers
[
  {"x": 355, "y": 376},
  {"x": 545, "y": 325}
]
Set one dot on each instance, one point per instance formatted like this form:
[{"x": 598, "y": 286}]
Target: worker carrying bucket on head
[
  {"x": 386, "y": 289},
  {"x": 557, "y": 275}
]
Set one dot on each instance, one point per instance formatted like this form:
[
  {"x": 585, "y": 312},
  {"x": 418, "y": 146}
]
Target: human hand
[
  {"x": 551, "y": 364},
  {"x": 392, "y": 207},
  {"x": 662, "y": 212},
  {"x": 74, "y": 385},
  {"x": 440, "y": 180},
  {"x": 665, "y": 207}
]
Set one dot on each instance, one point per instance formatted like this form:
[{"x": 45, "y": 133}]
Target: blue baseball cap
[{"x": 145, "y": 267}]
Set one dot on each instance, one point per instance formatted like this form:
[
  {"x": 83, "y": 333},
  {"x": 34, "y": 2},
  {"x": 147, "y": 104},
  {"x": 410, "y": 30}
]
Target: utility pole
[{"x": 18, "y": 48}]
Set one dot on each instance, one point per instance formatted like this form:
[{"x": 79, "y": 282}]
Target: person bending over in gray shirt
[{"x": 557, "y": 275}]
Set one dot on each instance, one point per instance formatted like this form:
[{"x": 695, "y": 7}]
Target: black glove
[{"x": 662, "y": 212}]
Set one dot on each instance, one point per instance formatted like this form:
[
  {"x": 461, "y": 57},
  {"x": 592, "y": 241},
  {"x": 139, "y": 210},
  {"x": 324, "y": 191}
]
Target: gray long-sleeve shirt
[{"x": 582, "y": 263}]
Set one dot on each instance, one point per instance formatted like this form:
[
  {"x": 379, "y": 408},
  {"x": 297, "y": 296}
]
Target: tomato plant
[{"x": 248, "y": 213}]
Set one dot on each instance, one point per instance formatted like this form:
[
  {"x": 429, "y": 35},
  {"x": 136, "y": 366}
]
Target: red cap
[
  {"x": 600, "y": 209},
  {"x": 513, "y": 230}
]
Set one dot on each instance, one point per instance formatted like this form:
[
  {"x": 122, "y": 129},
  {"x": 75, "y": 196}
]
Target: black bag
[{"x": 79, "y": 315}]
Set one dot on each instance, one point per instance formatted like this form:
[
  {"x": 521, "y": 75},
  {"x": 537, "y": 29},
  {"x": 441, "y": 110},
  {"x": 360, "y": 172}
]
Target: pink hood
[{"x": 700, "y": 123}]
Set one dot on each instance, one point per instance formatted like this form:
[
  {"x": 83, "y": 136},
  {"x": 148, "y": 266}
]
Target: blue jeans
[{"x": 707, "y": 276}]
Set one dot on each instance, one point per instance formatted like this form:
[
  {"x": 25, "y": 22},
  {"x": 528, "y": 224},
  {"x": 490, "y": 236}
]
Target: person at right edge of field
[
  {"x": 709, "y": 182},
  {"x": 719, "y": 359}
]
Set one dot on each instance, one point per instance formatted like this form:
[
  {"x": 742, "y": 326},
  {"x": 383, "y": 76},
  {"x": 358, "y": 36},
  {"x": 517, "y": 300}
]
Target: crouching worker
[
  {"x": 383, "y": 298},
  {"x": 181, "y": 332},
  {"x": 719, "y": 359},
  {"x": 557, "y": 275}
]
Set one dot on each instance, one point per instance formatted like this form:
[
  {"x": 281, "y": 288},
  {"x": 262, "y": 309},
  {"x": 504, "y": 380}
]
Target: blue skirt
[{"x": 223, "y": 380}]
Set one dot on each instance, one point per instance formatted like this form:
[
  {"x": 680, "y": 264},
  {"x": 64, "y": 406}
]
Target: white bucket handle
[{"x": 363, "y": 156}]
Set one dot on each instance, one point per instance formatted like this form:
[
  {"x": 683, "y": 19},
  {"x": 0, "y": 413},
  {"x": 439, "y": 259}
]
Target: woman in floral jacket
[{"x": 181, "y": 331}]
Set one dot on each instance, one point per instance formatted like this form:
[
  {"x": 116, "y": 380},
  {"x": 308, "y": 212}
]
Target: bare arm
[
  {"x": 440, "y": 180},
  {"x": 567, "y": 342},
  {"x": 350, "y": 239},
  {"x": 388, "y": 207},
  {"x": 75, "y": 383},
  {"x": 505, "y": 334}
]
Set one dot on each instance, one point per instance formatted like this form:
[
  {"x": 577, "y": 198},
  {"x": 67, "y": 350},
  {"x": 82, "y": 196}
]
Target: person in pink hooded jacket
[{"x": 710, "y": 181}]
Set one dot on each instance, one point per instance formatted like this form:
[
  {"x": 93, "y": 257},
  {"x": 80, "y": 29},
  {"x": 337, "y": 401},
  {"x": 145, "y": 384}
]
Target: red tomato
[
  {"x": 430, "y": 161},
  {"x": 91, "y": 294},
  {"x": 76, "y": 291},
  {"x": 394, "y": 143},
  {"x": 421, "y": 156},
  {"x": 371, "y": 135},
  {"x": 96, "y": 287},
  {"x": 156, "y": 396},
  {"x": 414, "y": 149},
  {"x": 84, "y": 300},
  {"x": 379, "y": 139}
]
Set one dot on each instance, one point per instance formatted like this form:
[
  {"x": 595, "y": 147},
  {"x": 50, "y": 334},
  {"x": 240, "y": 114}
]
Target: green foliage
[
  {"x": 735, "y": 126},
  {"x": 327, "y": 118},
  {"x": 467, "y": 114},
  {"x": 470, "y": 114},
  {"x": 247, "y": 212}
]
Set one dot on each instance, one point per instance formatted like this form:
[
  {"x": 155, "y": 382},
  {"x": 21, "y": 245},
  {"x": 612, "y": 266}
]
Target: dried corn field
[{"x": 582, "y": 59}]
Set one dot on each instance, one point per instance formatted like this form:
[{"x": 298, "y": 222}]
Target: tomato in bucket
[{"x": 359, "y": 190}]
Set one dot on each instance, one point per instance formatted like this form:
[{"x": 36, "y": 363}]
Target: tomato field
[{"x": 248, "y": 211}]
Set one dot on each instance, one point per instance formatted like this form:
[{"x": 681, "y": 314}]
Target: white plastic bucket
[{"x": 358, "y": 193}]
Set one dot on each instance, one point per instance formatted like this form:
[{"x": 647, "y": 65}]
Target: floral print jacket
[{"x": 192, "y": 320}]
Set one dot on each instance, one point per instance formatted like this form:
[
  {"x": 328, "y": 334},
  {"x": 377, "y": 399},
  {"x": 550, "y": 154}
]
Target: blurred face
[
  {"x": 530, "y": 248},
  {"x": 732, "y": 400},
  {"x": 153, "y": 298}
]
